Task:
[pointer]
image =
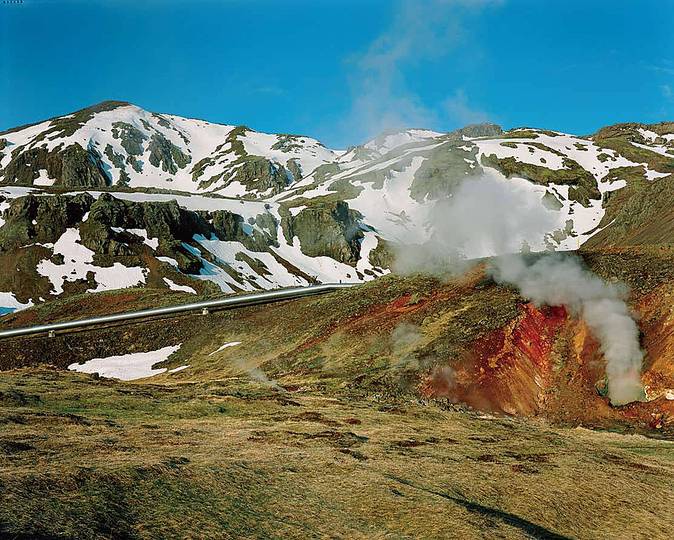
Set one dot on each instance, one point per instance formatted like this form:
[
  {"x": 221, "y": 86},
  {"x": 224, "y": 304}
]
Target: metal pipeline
[{"x": 231, "y": 302}]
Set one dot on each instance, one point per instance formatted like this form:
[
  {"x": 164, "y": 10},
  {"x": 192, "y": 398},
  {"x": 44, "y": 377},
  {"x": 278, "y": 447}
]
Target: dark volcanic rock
[
  {"x": 480, "y": 130},
  {"x": 72, "y": 167},
  {"x": 32, "y": 219},
  {"x": 330, "y": 229},
  {"x": 163, "y": 220}
]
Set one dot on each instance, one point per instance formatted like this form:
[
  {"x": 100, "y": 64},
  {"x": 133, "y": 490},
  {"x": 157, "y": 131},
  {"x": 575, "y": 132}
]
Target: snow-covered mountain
[
  {"x": 128, "y": 146},
  {"x": 115, "y": 196}
]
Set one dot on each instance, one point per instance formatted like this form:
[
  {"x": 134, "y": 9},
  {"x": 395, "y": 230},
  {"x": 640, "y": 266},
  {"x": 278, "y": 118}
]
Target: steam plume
[
  {"x": 486, "y": 215},
  {"x": 489, "y": 216},
  {"x": 557, "y": 279},
  {"x": 383, "y": 93}
]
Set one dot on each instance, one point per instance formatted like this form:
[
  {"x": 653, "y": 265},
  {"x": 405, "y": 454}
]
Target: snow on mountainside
[
  {"x": 129, "y": 146},
  {"x": 115, "y": 196}
]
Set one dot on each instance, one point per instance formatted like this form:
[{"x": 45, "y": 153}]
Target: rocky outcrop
[
  {"x": 446, "y": 167},
  {"x": 582, "y": 184},
  {"x": 326, "y": 229},
  {"x": 166, "y": 154},
  {"x": 479, "y": 130},
  {"x": 258, "y": 174},
  {"x": 131, "y": 138},
  {"x": 231, "y": 227},
  {"x": 166, "y": 221},
  {"x": 630, "y": 131},
  {"x": 72, "y": 167},
  {"x": 34, "y": 219}
]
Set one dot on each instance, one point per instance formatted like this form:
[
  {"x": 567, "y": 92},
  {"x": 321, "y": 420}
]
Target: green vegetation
[{"x": 582, "y": 185}]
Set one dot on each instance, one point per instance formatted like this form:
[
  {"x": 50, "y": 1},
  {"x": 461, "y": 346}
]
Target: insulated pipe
[{"x": 231, "y": 301}]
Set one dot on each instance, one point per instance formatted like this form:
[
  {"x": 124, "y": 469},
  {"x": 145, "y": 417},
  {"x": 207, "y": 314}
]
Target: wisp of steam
[
  {"x": 486, "y": 215},
  {"x": 489, "y": 216},
  {"x": 560, "y": 280}
]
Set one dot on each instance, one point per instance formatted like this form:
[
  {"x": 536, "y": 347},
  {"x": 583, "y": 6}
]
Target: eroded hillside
[{"x": 467, "y": 341}]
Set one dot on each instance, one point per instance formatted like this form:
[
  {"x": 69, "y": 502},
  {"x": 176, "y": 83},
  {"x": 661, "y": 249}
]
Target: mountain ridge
[{"x": 196, "y": 204}]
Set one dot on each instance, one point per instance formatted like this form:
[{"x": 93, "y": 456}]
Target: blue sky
[{"x": 342, "y": 71}]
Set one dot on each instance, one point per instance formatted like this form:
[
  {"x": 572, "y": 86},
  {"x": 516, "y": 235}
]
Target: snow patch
[
  {"x": 153, "y": 243},
  {"x": 181, "y": 288},
  {"x": 78, "y": 263},
  {"x": 43, "y": 179},
  {"x": 179, "y": 368},
  {"x": 128, "y": 367},
  {"x": 9, "y": 303},
  {"x": 225, "y": 346},
  {"x": 4, "y": 205},
  {"x": 168, "y": 260}
]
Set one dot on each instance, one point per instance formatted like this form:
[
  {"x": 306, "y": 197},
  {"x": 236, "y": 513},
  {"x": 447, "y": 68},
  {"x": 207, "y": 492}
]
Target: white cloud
[
  {"x": 460, "y": 111},
  {"x": 381, "y": 94}
]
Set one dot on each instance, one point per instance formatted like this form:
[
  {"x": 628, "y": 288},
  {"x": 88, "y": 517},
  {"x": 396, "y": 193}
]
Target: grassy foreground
[
  {"x": 343, "y": 416},
  {"x": 89, "y": 458}
]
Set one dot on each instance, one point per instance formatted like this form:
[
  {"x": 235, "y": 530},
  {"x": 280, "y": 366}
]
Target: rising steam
[
  {"x": 489, "y": 216},
  {"x": 556, "y": 279},
  {"x": 486, "y": 215}
]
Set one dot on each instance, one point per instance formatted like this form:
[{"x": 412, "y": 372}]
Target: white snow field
[
  {"x": 78, "y": 262},
  {"x": 225, "y": 346}
]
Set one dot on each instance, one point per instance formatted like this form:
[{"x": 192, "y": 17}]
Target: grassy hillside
[
  {"x": 233, "y": 458},
  {"x": 465, "y": 339}
]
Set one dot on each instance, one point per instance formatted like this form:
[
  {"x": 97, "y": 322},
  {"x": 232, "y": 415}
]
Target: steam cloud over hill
[{"x": 491, "y": 215}]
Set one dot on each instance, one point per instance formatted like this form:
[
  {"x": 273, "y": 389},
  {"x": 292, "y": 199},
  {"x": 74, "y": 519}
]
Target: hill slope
[
  {"x": 328, "y": 403},
  {"x": 227, "y": 423}
]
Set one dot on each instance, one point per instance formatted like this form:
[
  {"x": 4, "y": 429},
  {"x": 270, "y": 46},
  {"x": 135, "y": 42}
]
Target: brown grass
[{"x": 89, "y": 458}]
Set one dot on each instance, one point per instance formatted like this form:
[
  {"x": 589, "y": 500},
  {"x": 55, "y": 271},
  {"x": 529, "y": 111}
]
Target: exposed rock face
[
  {"x": 258, "y": 173},
  {"x": 329, "y": 229},
  {"x": 81, "y": 168},
  {"x": 72, "y": 167},
  {"x": 480, "y": 130},
  {"x": 110, "y": 222},
  {"x": 446, "y": 167},
  {"x": 34, "y": 219},
  {"x": 166, "y": 221},
  {"x": 131, "y": 138},
  {"x": 23, "y": 169},
  {"x": 383, "y": 255},
  {"x": 163, "y": 152},
  {"x": 231, "y": 227}
]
